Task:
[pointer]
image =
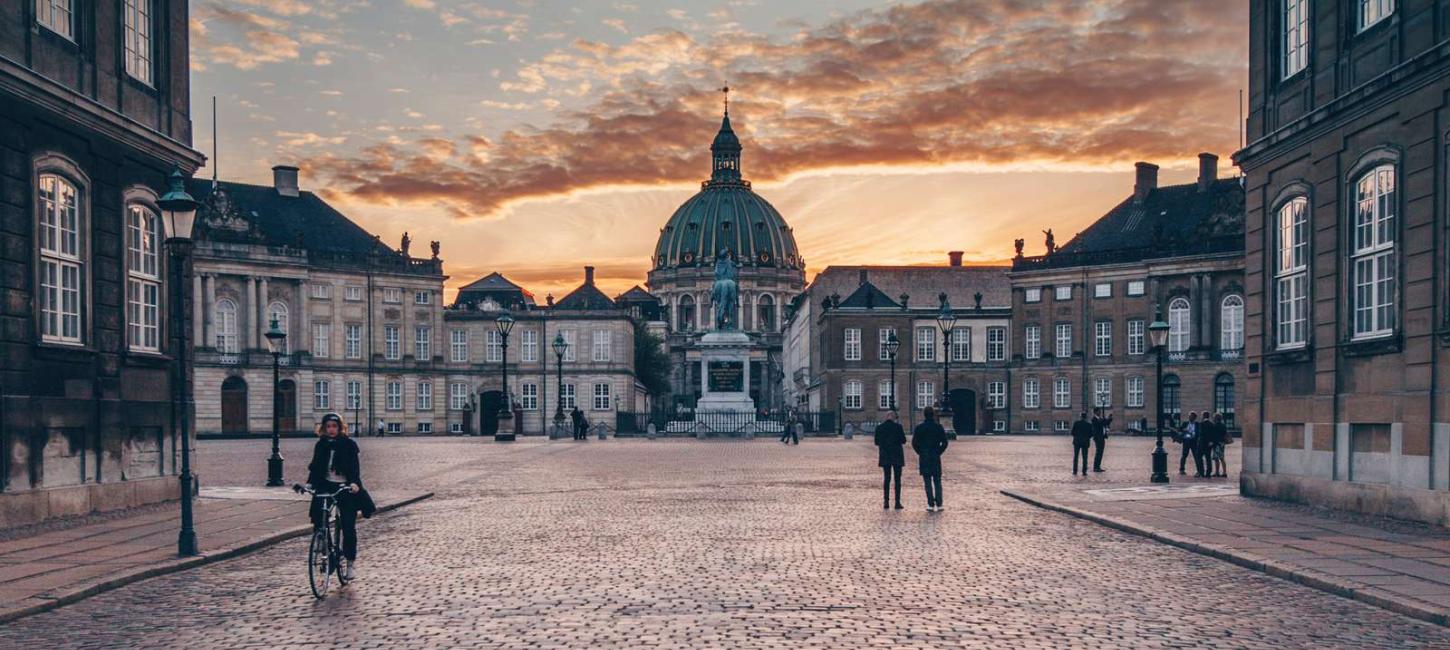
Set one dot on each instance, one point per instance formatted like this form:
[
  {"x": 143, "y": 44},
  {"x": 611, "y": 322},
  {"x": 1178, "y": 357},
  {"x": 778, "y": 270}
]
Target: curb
[
  {"x": 1315, "y": 579},
  {"x": 173, "y": 566}
]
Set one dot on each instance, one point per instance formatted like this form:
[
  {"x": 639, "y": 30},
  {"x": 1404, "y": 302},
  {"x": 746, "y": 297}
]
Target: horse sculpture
[{"x": 725, "y": 295}]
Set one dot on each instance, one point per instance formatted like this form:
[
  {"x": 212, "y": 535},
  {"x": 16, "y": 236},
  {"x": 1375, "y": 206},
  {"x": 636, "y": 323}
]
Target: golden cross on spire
[{"x": 726, "y": 91}]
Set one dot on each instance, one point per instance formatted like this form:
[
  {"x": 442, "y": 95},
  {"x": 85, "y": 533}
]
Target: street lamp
[
  {"x": 947, "y": 321},
  {"x": 505, "y": 324},
  {"x": 276, "y": 342},
  {"x": 1158, "y": 333},
  {"x": 178, "y": 212},
  {"x": 892, "y": 345},
  {"x": 560, "y": 347}
]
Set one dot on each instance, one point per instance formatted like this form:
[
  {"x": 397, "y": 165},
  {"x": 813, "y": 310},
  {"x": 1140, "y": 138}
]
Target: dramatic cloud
[{"x": 1073, "y": 83}]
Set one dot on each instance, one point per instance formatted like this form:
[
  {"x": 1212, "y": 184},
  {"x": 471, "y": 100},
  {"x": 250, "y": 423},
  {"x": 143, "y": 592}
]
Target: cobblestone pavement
[{"x": 688, "y": 544}]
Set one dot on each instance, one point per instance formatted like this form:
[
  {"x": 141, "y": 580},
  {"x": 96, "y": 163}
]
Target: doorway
[
  {"x": 287, "y": 409},
  {"x": 234, "y": 405}
]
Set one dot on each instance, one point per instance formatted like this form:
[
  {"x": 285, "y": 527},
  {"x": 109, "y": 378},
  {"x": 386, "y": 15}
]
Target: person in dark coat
[
  {"x": 929, "y": 440},
  {"x": 581, "y": 425},
  {"x": 337, "y": 462},
  {"x": 1188, "y": 435},
  {"x": 1208, "y": 437},
  {"x": 890, "y": 456},
  {"x": 1101, "y": 421},
  {"x": 1082, "y": 434}
]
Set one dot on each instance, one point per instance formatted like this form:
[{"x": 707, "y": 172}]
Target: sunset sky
[{"x": 533, "y": 137}]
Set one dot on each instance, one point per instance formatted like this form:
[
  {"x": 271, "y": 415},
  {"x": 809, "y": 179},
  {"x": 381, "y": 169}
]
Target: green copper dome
[{"x": 726, "y": 215}]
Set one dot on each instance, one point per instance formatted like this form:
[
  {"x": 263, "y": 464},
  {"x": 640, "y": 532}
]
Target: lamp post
[
  {"x": 892, "y": 345},
  {"x": 505, "y": 324},
  {"x": 1158, "y": 331},
  {"x": 276, "y": 342},
  {"x": 178, "y": 211},
  {"x": 947, "y": 321},
  {"x": 560, "y": 347}
]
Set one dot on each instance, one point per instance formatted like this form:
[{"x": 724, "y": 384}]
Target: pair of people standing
[
  {"x": 928, "y": 440},
  {"x": 1094, "y": 431},
  {"x": 581, "y": 425}
]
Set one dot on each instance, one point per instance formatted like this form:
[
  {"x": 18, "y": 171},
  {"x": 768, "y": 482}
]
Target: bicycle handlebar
[{"x": 299, "y": 488}]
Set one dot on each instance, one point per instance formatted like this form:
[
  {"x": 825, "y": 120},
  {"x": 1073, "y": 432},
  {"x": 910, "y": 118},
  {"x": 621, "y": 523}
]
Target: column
[
  {"x": 1207, "y": 311},
  {"x": 199, "y": 308},
  {"x": 304, "y": 333},
  {"x": 262, "y": 300},
  {"x": 210, "y": 310},
  {"x": 251, "y": 327}
]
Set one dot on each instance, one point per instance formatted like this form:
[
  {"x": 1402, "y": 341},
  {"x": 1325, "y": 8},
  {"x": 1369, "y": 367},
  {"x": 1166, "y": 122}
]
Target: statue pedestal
[{"x": 725, "y": 367}]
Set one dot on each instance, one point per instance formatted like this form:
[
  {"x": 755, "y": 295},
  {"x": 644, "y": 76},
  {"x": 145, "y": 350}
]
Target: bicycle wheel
[
  {"x": 319, "y": 563},
  {"x": 337, "y": 557}
]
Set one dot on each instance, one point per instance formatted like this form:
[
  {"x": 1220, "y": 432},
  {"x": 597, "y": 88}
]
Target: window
[
  {"x": 1178, "y": 325},
  {"x": 352, "y": 293},
  {"x": 852, "y": 395},
  {"x": 1373, "y": 253},
  {"x": 1063, "y": 348},
  {"x": 425, "y": 427},
  {"x": 885, "y": 395},
  {"x": 1032, "y": 295},
  {"x": 1103, "y": 338},
  {"x": 996, "y": 394},
  {"x": 1031, "y": 393},
  {"x": 1103, "y": 290},
  {"x": 1135, "y": 392},
  {"x": 321, "y": 340},
  {"x": 767, "y": 313},
  {"x": 567, "y": 395},
  {"x": 423, "y": 343},
  {"x": 277, "y": 312},
  {"x": 226, "y": 326},
  {"x": 1137, "y": 287},
  {"x": 926, "y": 344},
  {"x": 569, "y": 345},
  {"x": 961, "y": 344},
  {"x": 56, "y": 16},
  {"x": 999, "y": 426},
  {"x": 531, "y": 345},
  {"x": 322, "y": 291},
  {"x": 1060, "y": 426},
  {"x": 422, "y": 297},
  {"x": 1223, "y": 397},
  {"x": 1291, "y": 275},
  {"x": 1171, "y": 406},
  {"x": 392, "y": 294},
  {"x": 1103, "y": 392},
  {"x": 996, "y": 343},
  {"x": 352, "y": 341},
  {"x": 395, "y": 396},
  {"x": 1032, "y": 342},
  {"x": 1061, "y": 393},
  {"x": 1373, "y": 11},
  {"x": 61, "y": 265},
  {"x": 882, "y": 336},
  {"x": 322, "y": 394},
  {"x": 925, "y": 394},
  {"x": 458, "y": 346},
  {"x": 425, "y": 396},
  {"x": 529, "y": 397},
  {"x": 136, "y": 16},
  {"x": 852, "y": 349},
  {"x": 1062, "y": 293},
  {"x": 354, "y": 395},
  {"x": 602, "y": 340},
  {"x": 494, "y": 346},
  {"x": 1031, "y": 426},
  {"x": 601, "y": 397},
  {"x": 457, "y": 396},
  {"x": 1296, "y": 37},
  {"x": 1136, "y": 342},
  {"x": 395, "y": 428},
  {"x": 391, "y": 346},
  {"x": 455, "y": 427},
  {"x": 687, "y": 314},
  {"x": 1231, "y": 315},
  {"x": 143, "y": 279}
]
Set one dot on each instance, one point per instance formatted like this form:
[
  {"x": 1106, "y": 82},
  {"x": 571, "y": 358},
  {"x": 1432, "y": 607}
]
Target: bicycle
[{"x": 324, "y": 553}]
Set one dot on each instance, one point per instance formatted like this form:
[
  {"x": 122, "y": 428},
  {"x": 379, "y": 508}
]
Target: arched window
[
  {"x": 62, "y": 264},
  {"x": 1178, "y": 325},
  {"x": 1223, "y": 397},
  {"x": 1291, "y": 275},
  {"x": 1372, "y": 254},
  {"x": 277, "y": 311},
  {"x": 1231, "y": 318},
  {"x": 767, "y": 313},
  {"x": 225, "y": 321},
  {"x": 143, "y": 279},
  {"x": 687, "y": 314},
  {"x": 1171, "y": 406}
]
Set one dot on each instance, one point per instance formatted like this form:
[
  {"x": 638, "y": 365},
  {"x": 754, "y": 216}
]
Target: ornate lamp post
[
  {"x": 276, "y": 342},
  {"x": 178, "y": 212},
  {"x": 1158, "y": 332},
  {"x": 947, "y": 321},
  {"x": 505, "y": 324},
  {"x": 892, "y": 345},
  {"x": 560, "y": 347}
]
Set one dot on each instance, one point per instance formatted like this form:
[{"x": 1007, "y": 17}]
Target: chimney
[
  {"x": 955, "y": 257},
  {"x": 1207, "y": 171},
  {"x": 284, "y": 179},
  {"x": 1147, "y": 180},
  {"x": 589, "y": 275},
  {"x": 863, "y": 276}
]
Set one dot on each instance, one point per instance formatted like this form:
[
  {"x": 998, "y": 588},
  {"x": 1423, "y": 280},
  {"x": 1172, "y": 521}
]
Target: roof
[
  {"x": 867, "y": 296},
  {"x": 636, "y": 294},
  {"x": 1170, "y": 221},
  {"x": 245, "y": 213},
  {"x": 492, "y": 282},
  {"x": 586, "y": 298},
  {"x": 920, "y": 283}
]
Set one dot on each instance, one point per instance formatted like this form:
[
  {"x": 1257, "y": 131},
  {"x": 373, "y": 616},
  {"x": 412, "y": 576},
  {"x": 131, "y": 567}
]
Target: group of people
[
  {"x": 928, "y": 440},
  {"x": 1203, "y": 438},
  {"x": 579, "y": 423},
  {"x": 1086, "y": 431}
]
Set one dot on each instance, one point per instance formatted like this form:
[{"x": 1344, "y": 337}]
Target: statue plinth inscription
[{"x": 726, "y": 376}]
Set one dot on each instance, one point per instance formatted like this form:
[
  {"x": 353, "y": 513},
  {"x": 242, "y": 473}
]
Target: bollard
[{"x": 649, "y": 431}]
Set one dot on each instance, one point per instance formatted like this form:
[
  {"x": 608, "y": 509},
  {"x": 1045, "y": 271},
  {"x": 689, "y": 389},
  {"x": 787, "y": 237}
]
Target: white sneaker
[{"x": 347, "y": 571}]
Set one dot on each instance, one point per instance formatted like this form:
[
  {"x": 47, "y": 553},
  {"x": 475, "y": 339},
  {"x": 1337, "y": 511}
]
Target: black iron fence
[{"x": 725, "y": 423}]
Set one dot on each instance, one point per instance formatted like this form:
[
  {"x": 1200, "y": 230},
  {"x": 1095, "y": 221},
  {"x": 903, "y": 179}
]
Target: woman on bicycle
[{"x": 336, "y": 461}]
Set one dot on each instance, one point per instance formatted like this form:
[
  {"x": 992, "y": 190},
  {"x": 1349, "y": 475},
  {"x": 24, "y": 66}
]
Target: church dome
[{"x": 726, "y": 215}]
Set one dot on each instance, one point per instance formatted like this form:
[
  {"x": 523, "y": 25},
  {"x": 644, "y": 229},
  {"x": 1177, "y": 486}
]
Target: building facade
[
  {"x": 94, "y": 114},
  {"x": 1346, "y": 279}
]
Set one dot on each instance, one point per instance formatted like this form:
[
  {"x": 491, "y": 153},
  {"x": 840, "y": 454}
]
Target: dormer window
[
  {"x": 1373, "y": 11},
  {"x": 57, "y": 16}
]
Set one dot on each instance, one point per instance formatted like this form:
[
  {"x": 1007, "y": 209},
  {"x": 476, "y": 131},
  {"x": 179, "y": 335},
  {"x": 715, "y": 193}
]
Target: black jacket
[
  {"x": 1100, "y": 427},
  {"x": 1082, "y": 432},
  {"x": 890, "y": 438},
  {"x": 929, "y": 440},
  {"x": 345, "y": 457}
]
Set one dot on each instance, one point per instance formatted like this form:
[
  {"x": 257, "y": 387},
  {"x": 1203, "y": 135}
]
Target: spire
[{"x": 725, "y": 151}]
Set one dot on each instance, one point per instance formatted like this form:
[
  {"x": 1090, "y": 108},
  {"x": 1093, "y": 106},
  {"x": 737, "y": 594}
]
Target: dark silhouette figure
[
  {"x": 1208, "y": 440},
  {"x": 1188, "y": 436},
  {"x": 790, "y": 434},
  {"x": 1082, "y": 434},
  {"x": 581, "y": 425},
  {"x": 1051, "y": 241},
  {"x": 1101, "y": 421},
  {"x": 929, "y": 440},
  {"x": 890, "y": 456}
]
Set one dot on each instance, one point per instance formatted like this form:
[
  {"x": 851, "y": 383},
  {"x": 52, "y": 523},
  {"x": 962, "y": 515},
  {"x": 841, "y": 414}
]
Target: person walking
[
  {"x": 890, "y": 456},
  {"x": 1082, "y": 433},
  {"x": 337, "y": 467},
  {"x": 929, "y": 441},
  {"x": 382, "y": 428},
  {"x": 1100, "y": 422},
  {"x": 790, "y": 432}
]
